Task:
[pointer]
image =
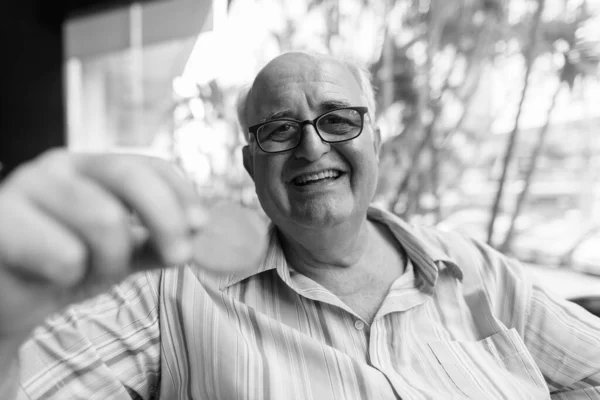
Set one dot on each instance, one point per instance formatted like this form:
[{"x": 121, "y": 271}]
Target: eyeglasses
[{"x": 334, "y": 126}]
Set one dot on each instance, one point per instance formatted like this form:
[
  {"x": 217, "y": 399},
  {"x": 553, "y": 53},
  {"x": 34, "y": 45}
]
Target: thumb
[{"x": 233, "y": 240}]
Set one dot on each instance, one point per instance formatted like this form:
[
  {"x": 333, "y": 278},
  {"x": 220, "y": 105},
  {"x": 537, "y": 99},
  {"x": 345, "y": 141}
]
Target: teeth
[{"x": 330, "y": 173}]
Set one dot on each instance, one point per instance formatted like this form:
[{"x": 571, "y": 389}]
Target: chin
[{"x": 322, "y": 214}]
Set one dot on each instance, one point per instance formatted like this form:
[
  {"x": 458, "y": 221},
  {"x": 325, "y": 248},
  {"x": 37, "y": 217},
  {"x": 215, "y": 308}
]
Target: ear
[
  {"x": 377, "y": 139},
  {"x": 248, "y": 161}
]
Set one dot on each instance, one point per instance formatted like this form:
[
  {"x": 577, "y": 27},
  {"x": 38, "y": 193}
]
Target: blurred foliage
[
  {"x": 449, "y": 75},
  {"x": 580, "y": 57}
]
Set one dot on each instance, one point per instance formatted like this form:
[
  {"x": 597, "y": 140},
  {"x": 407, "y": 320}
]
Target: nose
[{"x": 311, "y": 146}]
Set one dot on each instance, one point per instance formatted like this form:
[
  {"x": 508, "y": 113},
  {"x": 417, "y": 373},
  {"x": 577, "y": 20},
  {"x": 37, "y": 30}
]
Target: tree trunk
[
  {"x": 535, "y": 155},
  {"x": 428, "y": 135},
  {"x": 508, "y": 154},
  {"x": 387, "y": 89},
  {"x": 446, "y": 136}
]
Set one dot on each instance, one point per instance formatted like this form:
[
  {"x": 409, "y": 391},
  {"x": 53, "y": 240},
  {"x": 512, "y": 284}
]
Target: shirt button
[{"x": 358, "y": 324}]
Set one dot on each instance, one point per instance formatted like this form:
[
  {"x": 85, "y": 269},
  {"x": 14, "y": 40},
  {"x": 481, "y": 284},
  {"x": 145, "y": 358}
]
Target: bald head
[
  {"x": 297, "y": 66},
  {"x": 300, "y": 66}
]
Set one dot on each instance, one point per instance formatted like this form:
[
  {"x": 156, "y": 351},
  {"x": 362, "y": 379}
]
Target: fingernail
[
  {"x": 197, "y": 218},
  {"x": 178, "y": 252}
]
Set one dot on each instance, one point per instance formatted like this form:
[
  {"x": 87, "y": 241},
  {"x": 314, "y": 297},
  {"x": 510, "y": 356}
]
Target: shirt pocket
[{"x": 497, "y": 367}]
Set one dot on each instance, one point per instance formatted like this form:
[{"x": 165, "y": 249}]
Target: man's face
[{"x": 316, "y": 184}]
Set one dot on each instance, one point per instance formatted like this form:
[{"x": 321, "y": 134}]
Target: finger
[
  {"x": 183, "y": 189},
  {"x": 134, "y": 182},
  {"x": 38, "y": 248},
  {"x": 233, "y": 239},
  {"x": 92, "y": 214}
]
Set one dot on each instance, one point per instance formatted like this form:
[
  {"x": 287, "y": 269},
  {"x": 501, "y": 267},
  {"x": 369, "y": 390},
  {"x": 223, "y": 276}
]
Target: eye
[
  {"x": 334, "y": 119},
  {"x": 340, "y": 122},
  {"x": 286, "y": 127},
  {"x": 277, "y": 131}
]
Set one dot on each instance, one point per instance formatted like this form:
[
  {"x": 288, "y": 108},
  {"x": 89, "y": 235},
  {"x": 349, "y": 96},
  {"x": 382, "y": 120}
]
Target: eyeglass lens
[{"x": 334, "y": 126}]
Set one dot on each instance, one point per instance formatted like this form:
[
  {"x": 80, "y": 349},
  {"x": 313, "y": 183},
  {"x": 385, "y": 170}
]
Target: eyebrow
[
  {"x": 329, "y": 105},
  {"x": 286, "y": 113},
  {"x": 324, "y": 106}
]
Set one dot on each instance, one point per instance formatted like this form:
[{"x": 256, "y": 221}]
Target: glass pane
[{"x": 120, "y": 66}]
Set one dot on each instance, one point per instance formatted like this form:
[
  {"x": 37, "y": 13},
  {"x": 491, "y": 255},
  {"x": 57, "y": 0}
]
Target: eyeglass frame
[{"x": 360, "y": 109}]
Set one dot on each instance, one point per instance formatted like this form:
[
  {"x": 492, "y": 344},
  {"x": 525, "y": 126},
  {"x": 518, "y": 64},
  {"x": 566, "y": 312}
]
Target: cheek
[
  {"x": 365, "y": 167},
  {"x": 267, "y": 174},
  {"x": 363, "y": 158}
]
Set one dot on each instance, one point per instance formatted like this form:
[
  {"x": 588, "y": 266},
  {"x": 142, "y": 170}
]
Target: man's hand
[
  {"x": 66, "y": 227},
  {"x": 65, "y": 224}
]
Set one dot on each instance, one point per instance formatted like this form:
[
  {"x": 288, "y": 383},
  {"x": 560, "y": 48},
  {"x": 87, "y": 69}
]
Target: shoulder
[
  {"x": 480, "y": 263},
  {"x": 440, "y": 245},
  {"x": 492, "y": 283},
  {"x": 482, "y": 267}
]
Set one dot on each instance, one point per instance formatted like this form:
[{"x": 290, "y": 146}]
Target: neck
[{"x": 317, "y": 251}]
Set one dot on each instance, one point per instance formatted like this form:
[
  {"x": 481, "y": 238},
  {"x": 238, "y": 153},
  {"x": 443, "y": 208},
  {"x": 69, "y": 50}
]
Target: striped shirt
[{"x": 462, "y": 322}]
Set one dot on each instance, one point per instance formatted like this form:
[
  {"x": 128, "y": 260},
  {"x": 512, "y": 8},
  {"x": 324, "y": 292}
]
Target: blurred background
[{"x": 489, "y": 109}]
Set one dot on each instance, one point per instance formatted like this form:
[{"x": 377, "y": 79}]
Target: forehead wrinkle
[
  {"x": 283, "y": 113},
  {"x": 324, "y": 107}
]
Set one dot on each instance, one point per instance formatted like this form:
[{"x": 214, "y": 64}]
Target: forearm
[
  {"x": 71, "y": 353},
  {"x": 565, "y": 342},
  {"x": 9, "y": 368}
]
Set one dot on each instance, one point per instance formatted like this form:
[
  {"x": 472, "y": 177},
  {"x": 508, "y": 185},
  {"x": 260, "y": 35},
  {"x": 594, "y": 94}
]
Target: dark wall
[
  {"x": 32, "y": 115},
  {"x": 31, "y": 101}
]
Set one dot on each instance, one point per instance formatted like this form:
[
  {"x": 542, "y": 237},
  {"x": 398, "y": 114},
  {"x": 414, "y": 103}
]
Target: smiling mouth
[{"x": 311, "y": 179}]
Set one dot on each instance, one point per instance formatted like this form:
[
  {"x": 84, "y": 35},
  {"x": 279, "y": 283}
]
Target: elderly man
[{"x": 349, "y": 302}]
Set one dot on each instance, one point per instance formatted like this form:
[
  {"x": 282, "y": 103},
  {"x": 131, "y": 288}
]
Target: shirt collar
[
  {"x": 428, "y": 259},
  {"x": 273, "y": 256},
  {"x": 422, "y": 247}
]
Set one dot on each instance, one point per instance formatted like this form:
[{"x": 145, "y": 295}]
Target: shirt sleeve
[
  {"x": 564, "y": 340},
  {"x": 105, "y": 348}
]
